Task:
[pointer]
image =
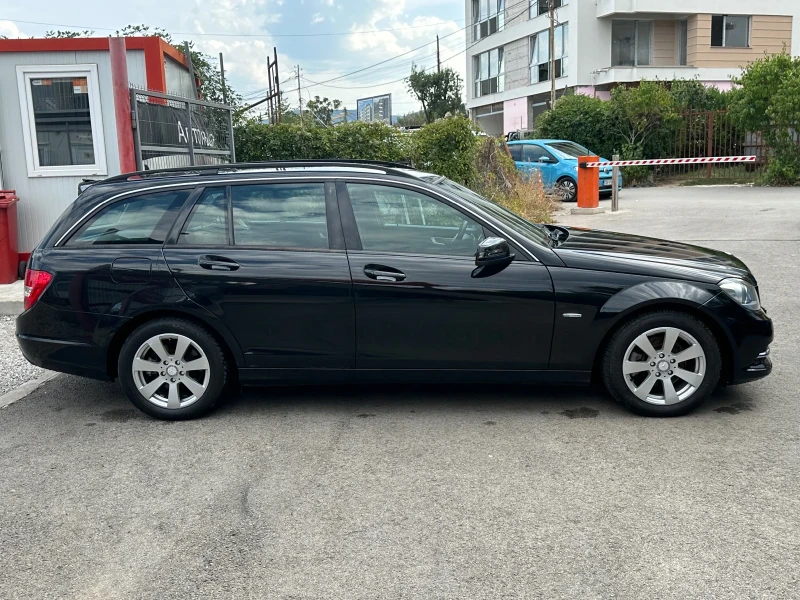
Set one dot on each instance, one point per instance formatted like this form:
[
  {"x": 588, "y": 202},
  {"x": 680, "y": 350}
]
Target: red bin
[{"x": 9, "y": 257}]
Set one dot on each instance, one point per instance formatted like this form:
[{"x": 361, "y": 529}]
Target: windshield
[
  {"x": 570, "y": 149},
  {"x": 514, "y": 222}
]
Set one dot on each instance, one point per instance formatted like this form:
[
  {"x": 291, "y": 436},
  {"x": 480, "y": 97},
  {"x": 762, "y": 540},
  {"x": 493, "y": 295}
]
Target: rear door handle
[
  {"x": 382, "y": 273},
  {"x": 217, "y": 263}
]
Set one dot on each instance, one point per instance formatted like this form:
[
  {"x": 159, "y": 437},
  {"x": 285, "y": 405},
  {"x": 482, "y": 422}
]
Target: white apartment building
[{"x": 603, "y": 43}]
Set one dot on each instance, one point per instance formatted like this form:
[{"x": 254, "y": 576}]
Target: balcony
[{"x": 622, "y": 8}]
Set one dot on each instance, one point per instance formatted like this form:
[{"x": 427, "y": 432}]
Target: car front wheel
[
  {"x": 172, "y": 369},
  {"x": 662, "y": 364},
  {"x": 567, "y": 189}
]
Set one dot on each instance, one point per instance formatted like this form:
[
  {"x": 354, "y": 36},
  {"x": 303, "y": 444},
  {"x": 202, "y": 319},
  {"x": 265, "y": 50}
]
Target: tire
[
  {"x": 568, "y": 189},
  {"x": 646, "y": 389},
  {"x": 179, "y": 393}
]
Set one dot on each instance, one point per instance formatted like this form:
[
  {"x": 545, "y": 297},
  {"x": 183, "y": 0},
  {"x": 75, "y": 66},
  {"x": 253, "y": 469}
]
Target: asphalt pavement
[{"x": 428, "y": 492}]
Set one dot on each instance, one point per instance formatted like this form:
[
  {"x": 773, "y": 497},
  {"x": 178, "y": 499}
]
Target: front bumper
[{"x": 760, "y": 367}]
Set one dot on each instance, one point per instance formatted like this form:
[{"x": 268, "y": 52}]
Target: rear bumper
[{"x": 63, "y": 356}]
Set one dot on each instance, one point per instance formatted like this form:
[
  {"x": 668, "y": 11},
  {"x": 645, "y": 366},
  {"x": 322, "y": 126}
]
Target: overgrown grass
[{"x": 500, "y": 181}]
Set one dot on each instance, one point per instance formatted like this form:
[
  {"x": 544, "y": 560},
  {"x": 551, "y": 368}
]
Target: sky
[{"x": 245, "y": 31}]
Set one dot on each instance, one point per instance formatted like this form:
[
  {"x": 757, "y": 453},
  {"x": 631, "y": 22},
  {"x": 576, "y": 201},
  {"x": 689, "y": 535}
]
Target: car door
[
  {"x": 420, "y": 302},
  {"x": 268, "y": 259},
  {"x": 540, "y": 160}
]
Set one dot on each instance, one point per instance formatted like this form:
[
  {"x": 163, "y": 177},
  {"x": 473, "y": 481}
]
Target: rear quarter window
[{"x": 143, "y": 219}]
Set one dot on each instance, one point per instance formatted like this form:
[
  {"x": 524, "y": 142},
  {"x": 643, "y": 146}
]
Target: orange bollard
[{"x": 588, "y": 183}]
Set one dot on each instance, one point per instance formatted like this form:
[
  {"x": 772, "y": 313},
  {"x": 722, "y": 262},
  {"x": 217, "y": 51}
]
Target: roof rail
[{"x": 390, "y": 168}]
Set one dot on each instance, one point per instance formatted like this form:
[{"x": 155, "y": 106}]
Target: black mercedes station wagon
[{"x": 185, "y": 284}]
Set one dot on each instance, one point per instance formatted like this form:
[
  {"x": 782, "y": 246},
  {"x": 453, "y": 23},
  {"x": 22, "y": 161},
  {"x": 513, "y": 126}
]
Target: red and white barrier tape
[{"x": 670, "y": 161}]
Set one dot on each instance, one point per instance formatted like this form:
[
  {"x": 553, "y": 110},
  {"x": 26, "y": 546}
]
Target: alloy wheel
[
  {"x": 171, "y": 371},
  {"x": 567, "y": 189},
  {"x": 664, "y": 366}
]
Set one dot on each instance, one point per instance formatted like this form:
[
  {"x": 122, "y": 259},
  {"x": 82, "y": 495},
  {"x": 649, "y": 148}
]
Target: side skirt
[{"x": 454, "y": 376}]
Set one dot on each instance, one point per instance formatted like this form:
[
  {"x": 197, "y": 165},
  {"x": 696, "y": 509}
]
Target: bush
[
  {"x": 501, "y": 182},
  {"x": 367, "y": 141},
  {"x": 290, "y": 141},
  {"x": 258, "y": 141},
  {"x": 446, "y": 147},
  {"x": 582, "y": 119},
  {"x": 768, "y": 100}
]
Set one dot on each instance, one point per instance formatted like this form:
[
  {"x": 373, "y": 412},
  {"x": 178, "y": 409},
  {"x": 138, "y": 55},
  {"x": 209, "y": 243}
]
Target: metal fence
[
  {"x": 173, "y": 131},
  {"x": 713, "y": 133}
]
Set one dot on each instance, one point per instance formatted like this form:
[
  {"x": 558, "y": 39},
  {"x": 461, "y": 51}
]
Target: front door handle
[
  {"x": 382, "y": 273},
  {"x": 217, "y": 263}
]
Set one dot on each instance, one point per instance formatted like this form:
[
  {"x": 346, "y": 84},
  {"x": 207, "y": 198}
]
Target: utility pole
[
  {"x": 277, "y": 86},
  {"x": 438, "y": 58},
  {"x": 300, "y": 97},
  {"x": 552, "y": 53}
]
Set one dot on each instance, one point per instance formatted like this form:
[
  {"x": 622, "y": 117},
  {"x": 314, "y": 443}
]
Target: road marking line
[{"x": 25, "y": 389}]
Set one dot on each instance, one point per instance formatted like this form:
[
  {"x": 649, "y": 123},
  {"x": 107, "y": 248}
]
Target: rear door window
[
  {"x": 532, "y": 153},
  {"x": 207, "y": 225},
  {"x": 516, "y": 152},
  {"x": 280, "y": 215},
  {"x": 143, "y": 219}
]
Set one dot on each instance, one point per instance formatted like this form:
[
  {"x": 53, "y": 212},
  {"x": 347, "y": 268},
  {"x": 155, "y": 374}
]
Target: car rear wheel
[
  {"x": 172, "y": 369},
  {"x": 567, "y": 189},
  {"x": 662, "y": 364}
]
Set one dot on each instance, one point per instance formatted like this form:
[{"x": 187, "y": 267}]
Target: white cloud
[
  {"x": 317, "y": 18},
  {"x": 10, "y": 30}
]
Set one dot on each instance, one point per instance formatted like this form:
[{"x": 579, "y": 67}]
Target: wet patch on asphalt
[
  {"x": 365, "y": 415},
  {"x": 735, "y": 409},
  {"x": 580, "y": 413},
  {"x": 490, "y": 423},
  {"x": 120, "y": 415}
]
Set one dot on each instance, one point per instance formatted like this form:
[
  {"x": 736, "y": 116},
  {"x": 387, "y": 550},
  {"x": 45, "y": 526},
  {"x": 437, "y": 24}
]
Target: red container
[{"x": 9, "y": 257}]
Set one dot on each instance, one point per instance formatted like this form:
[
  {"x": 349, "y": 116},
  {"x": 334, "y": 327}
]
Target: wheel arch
[
  {"x": 225, "y": 339},
  {"x": 726, "y": 344}
]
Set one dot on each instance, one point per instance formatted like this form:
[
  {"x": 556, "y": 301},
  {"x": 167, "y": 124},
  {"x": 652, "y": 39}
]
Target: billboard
[{"x": 377, "y": 108}]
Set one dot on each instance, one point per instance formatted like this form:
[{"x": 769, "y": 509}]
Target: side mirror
[
  {"x": 493, "y": 251},
  {"x": 544, "y": 159}
]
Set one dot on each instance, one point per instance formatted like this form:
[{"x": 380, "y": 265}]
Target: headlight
[{"x": 741, "y": 291}]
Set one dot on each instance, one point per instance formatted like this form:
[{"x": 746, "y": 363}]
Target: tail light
[{"x": 36, "y": 282}]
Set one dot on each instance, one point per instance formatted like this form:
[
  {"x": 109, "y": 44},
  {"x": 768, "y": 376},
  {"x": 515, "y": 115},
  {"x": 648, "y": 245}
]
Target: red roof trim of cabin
[{"x": 154, "y": 49}]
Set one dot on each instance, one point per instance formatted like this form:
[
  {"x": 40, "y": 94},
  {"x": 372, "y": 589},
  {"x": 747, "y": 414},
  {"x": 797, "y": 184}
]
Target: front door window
[{"x": 398, "y": 220}]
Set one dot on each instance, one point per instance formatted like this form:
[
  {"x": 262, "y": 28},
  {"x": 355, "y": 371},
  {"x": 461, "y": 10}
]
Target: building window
[
  {"x": 61, "y": 120},
  {"x": 631, "y": 43},
  {"x": 488, "y": 17},
  {"x": 489, "y": 72},
  {"x": 683, "y": 41},
  {"x": 730, "y": 31},
  {"x": 540, "y": 54},
  {"x": 542, "y": 7}
]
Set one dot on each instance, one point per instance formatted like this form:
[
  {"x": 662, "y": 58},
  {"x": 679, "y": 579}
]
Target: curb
[
  {"x": 25, "y": 389},
  {"x": 11, "y": 309}
]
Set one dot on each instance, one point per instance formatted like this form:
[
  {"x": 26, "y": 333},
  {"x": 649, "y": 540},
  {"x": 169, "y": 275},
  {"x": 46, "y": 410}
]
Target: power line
[
  {"x": 525, "y": 2},
  {"x": 254, "y": 35}
]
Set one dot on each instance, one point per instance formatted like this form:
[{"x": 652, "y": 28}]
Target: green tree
[
  {"x": 320, "y": 110},
  {"x": 582, "y": 119},
  {"x": 690, "y": 94},
  {"x": 438, "y": 92},
  {"x": 768, "y": 101},
  {"x": 447, "y": 147},
  {"x": 66, "y": 34},
  {"x": 412, "y": 119},
  {"x": 638, "y": 113}
]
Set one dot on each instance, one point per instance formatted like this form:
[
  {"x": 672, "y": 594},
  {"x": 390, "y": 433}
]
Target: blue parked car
[{"x": 557, "y": 161}]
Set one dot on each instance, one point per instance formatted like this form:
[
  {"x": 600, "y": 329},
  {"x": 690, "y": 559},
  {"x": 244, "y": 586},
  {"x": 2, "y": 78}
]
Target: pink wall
[
  {"x": 589, "y": 90},
  {"x": 722, "y": 86},
  {"x": 515, "y": 114}
]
